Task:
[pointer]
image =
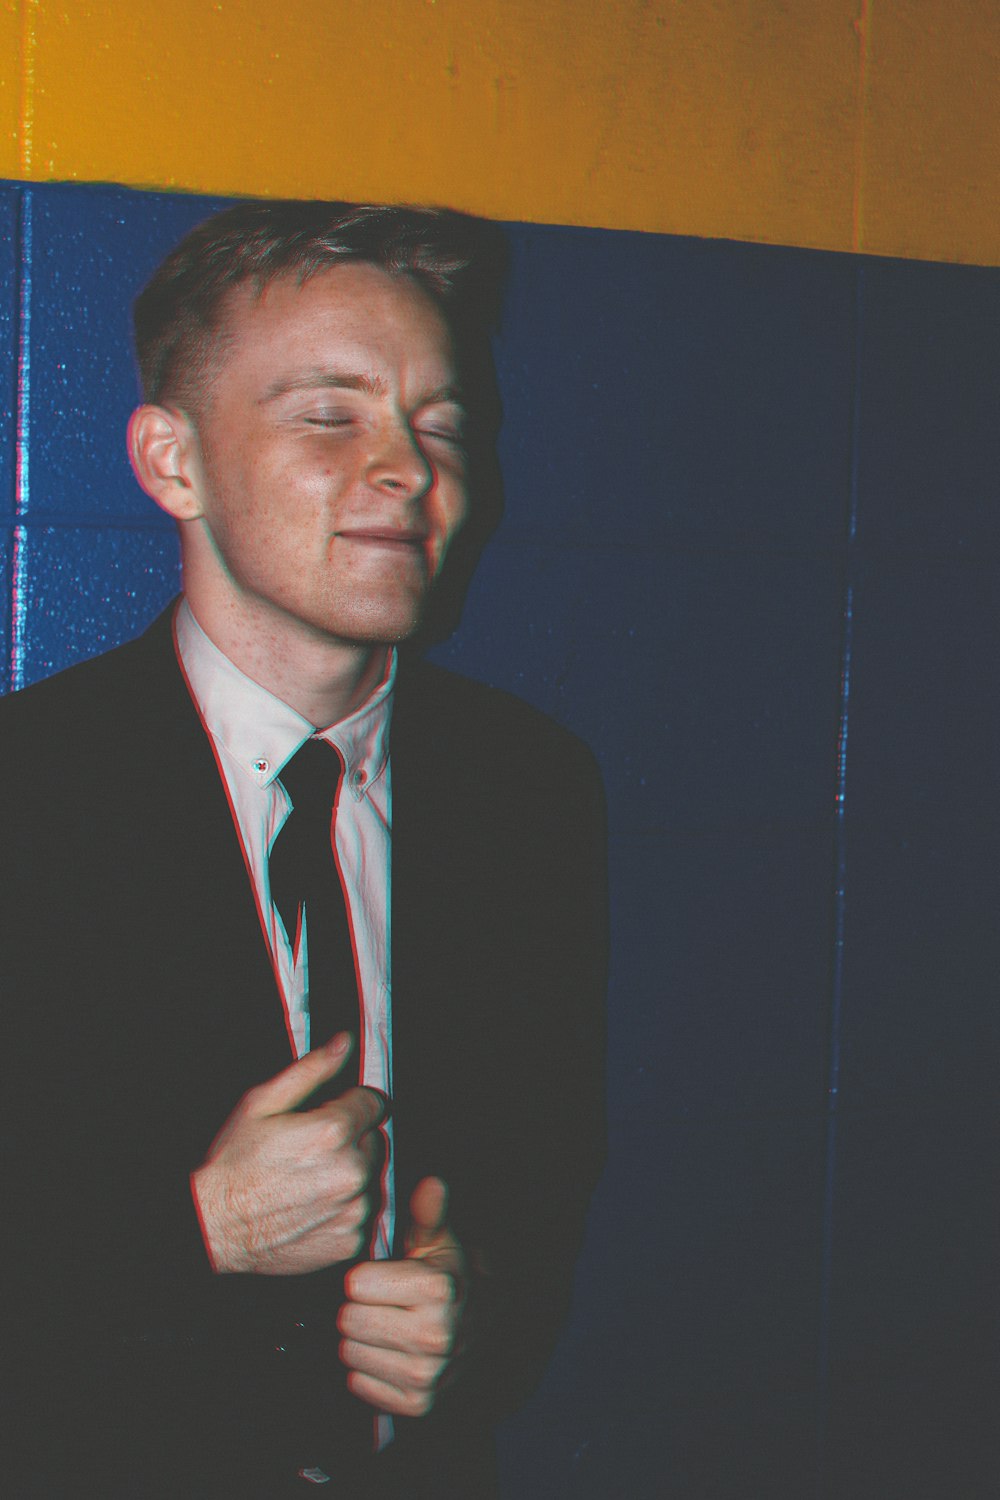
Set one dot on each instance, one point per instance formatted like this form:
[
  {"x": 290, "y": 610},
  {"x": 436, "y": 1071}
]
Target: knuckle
[
  {"x": 248, "y": 1103},
  {"x": 335, "y": 1135},
  {"x": 428, "y": 1371},
  {"x": 419, "y": 1402},
  {"x": 355, "y": 1212},
  {"x": 441, "y": 1287},
  {"x": 346, "y": 1246},
  {"x": 353, "y": 1242},
  {"x": 373, "y": 1106},
  {"x": 437, "y": 1341},
  {"x": 355, "y": 1108},
  {"x": 369, "y": 1149},
  {"x": 354, "y": 1177}
]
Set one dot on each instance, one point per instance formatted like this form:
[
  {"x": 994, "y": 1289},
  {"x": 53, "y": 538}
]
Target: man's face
[{"x": 332, "y": 468}]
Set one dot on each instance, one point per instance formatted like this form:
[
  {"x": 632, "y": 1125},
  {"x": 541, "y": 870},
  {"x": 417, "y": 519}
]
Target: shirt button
[
  {"x": 360, "y": 777},
  {"x": 261, "y": 766}
]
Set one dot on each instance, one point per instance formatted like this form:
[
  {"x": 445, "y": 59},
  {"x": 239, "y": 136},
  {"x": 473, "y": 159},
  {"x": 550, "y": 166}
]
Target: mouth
[{"x": 388, "y": 537}]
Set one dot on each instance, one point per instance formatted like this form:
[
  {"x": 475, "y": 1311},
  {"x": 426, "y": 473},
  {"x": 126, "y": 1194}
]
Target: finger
[
  {"x": 402, "y": 1329},
  {"x": 354, "y": 1114},
  {"x": 428, "y": 1217},
  {"x": 291, "y": 1087},
  {"x": 414, "y": 1372},
  {"x": 388, "y": 1398},
  {"x": 398, "y": 1283},
  {"x": 383, "y": 1327}
]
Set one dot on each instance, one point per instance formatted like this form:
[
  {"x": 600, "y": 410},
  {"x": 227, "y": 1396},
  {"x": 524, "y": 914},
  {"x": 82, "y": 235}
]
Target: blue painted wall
[{"x": 751, "y": 553}]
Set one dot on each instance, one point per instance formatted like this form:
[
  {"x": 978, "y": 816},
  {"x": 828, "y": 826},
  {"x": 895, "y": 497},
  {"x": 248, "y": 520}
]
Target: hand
[
  {"x": 402, "y": 1319},
  {"x": 283, "y": 1192}
]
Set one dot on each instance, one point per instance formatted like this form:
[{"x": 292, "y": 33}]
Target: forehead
[{"x": 355, "y": 311}]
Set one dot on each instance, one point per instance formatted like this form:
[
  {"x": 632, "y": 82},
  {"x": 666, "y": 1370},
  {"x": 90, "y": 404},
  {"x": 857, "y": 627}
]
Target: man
[{"x": 271, "y": 1230}]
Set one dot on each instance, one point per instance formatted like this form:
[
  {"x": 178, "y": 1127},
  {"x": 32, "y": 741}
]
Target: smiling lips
[{"x": 387, "y": 536}]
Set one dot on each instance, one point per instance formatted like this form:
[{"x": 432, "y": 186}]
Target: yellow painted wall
[{"x": 871, "y": 125}]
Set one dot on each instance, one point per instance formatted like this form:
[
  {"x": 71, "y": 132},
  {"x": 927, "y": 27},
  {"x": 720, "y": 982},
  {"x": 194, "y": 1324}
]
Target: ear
[{"x": 163, "y": 451}]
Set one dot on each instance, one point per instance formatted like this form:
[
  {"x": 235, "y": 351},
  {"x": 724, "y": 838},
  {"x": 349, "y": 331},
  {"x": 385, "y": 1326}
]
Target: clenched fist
[
  {"x": 284, "y": 1191},
  {"x": 403, "y": 1319}
]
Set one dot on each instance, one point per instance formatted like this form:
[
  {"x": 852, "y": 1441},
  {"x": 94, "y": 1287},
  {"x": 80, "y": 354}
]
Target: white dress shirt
[{"x": 254, "y": 735}]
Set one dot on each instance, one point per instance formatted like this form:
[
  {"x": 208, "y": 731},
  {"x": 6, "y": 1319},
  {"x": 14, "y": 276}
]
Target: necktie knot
[{"x": 311, "y": 778}]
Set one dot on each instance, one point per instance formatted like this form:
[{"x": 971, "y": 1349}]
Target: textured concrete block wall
[{"x": 751, "y": 552}]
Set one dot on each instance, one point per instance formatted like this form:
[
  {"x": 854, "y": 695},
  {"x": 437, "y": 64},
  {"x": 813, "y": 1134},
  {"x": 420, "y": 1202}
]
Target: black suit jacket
[{"x": 139, "y": 1003}]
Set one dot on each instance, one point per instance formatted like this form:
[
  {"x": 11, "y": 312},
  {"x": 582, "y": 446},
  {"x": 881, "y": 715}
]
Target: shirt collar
[{"x": 260, "y": 733}]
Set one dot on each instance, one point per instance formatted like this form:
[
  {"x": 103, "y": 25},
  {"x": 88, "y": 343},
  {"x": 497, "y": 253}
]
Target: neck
[{"x": 323, "y": 679}]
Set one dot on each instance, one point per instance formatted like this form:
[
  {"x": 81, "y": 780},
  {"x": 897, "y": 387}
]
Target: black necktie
[{"x": 304, "y": 877}]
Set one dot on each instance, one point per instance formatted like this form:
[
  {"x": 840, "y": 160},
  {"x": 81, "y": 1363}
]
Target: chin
[{"x": 377, "y": 626}]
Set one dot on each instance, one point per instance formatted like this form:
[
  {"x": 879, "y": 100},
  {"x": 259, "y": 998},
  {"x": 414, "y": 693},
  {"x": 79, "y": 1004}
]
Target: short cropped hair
[{"x": 180, "y": 315}]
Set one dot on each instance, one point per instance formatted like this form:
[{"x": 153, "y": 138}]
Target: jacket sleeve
[{"x": 554, "y": 1112}]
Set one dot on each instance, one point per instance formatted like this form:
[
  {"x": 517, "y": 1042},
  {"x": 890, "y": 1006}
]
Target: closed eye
[
  {"x": 329, "y": 419},
  {"x": 441, "y": 434},
  {"x": 440, "y": 419}
]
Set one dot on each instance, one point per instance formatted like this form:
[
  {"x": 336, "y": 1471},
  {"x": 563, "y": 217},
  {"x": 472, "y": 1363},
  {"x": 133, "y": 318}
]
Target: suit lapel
[
  {"x": 440, "y": 995},
  {"x": 205, "y": 933},
  {"x": 417, "y": 882}
]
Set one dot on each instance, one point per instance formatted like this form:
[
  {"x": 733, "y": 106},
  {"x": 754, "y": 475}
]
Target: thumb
[
  {"x": 429, "y": 1232},
  {"x": 294, "y": 1084}
]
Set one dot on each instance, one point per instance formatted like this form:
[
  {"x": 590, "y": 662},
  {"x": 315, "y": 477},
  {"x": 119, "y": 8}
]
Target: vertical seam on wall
[
  {"x": 839, "y": 906},
  {"x": 22, "y": 269},
  {"x": 862, "y": 27},
  {"x": 22, "y": 459}
]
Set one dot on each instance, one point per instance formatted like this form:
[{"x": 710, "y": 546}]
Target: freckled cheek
[{"x": 315, "y": 489}]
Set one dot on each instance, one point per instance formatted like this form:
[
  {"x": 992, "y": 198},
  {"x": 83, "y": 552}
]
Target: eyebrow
[{"x": 369, "y": 385}]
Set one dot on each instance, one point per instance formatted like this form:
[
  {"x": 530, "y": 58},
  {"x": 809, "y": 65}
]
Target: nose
[{"x": 398, "y": 465}]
